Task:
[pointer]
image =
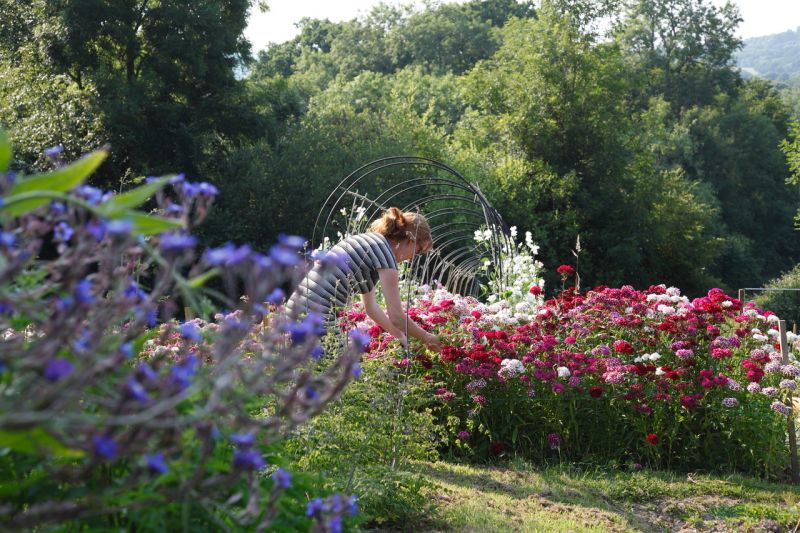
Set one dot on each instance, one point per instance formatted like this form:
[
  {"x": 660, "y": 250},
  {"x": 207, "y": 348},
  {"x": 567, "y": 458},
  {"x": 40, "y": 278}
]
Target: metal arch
[{"x": 443, "y": 195}]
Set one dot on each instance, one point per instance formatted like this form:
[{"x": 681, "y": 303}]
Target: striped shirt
[{"x": 326, "y": 289}]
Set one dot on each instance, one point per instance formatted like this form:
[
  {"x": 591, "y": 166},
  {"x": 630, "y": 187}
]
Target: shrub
[{"x": 94, "y": 435}]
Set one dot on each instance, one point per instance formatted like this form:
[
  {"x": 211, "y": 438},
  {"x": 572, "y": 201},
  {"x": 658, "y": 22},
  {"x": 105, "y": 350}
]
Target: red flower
[
  {"x": 496, "y": 448},
  {"x": 535, "y": 290},
  {"x": 621, "y": 346},
  {"x": 565, "y": 271},
  {"x": 652, "y": 438},
  {"x": 595, "y": 392}
]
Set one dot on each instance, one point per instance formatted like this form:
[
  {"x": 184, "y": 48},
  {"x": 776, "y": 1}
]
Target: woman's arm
[
  {"x": 375, "y": 312},
  {"x": 390, "y": 284}
]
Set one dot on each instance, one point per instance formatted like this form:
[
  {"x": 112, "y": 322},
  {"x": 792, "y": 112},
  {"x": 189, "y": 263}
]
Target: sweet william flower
[{"x": 652, "y": 438}]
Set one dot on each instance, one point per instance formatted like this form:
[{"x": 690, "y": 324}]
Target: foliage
[
  {"x": 367, "y": 441},
  {"x": 94, "y": 435},
  {"x": 774, "y": 57},
  {"x": 648, "y": 377},
  {"x": 786, "y": 304}
]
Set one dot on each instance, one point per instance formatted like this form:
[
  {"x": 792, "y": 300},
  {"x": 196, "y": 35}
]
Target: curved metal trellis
[{"x": 454, "y": 207}]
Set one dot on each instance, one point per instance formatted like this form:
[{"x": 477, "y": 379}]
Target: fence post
[
  {"x": 188, "y": 313},
  {"x": 741, "y": 296},
  {"x": 792, "y": 434}
]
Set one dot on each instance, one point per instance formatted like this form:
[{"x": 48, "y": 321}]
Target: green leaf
[
  {"x": 117, "y": 205},
  {"x": 60, "y": 180},
  {"x": 149, "y": 224},
  {"x": 5, "y": 151},
  {"x": 38, "y": 442},
  {"x": 198, "y": 281}
]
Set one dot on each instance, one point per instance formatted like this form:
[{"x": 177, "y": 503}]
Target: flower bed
[{"x": 615, "y": 374}]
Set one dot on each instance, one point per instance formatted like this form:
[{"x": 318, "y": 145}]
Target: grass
[{"x": 521, "y": 497}]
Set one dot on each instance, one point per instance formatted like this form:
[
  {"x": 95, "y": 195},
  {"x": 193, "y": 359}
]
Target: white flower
[
  {"x": 660, "y": 371},
  {"x": 513, "y": 231},
  {"x": 727, "y": 303},
  {"x": 760, "y": 338},
  {"x": 773, "y": 318},
  {"x": 655, "y": 356},
  {"x": 563, "y": 372}
]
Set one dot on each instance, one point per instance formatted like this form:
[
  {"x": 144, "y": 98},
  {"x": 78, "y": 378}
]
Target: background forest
[{"x": 624, "y": 122}]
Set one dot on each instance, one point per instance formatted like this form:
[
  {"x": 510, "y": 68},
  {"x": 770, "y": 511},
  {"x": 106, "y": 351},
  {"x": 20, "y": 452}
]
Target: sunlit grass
[{"x": 520, "y": 497}]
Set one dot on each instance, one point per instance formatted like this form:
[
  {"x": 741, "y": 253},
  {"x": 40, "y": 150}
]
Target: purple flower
[
  {"x": 135, "y": 390},
  {"x": 314, "y": 507},
  {"x": 313, "y": 325},
  {"x": 126, "y": 350},
  {"x": 83, "y": 291},
  {"x": 54, "y": 151},
  {"x": 7, "y": 240},
  {"x": 246, "y": 459},
  {"x": 554, "y": 439},
  {"x": 63, "y": 232},
  {"x": 360, "y": 339},
  {"x": 284, "y": 256},
  {"x": 334, "y": 524},
  {"x": 311, "y": 393},
  {"x": 146, "y": 373},
  {"x": 243, "y": 440},
  {"x": 781, "y": 408},
  {"x": 206, "y": 189},
  {"x": 228, "y": 255},
  {"x": 57, "y": 208},
  {"x": 317, "y": 352},
  {"x": 183, "y": 372},
  {"x": 156, "y": 463},
  {"x": 276, "y": 296},
  {"x": 730, "y": 402},
  {"x": 191, "y": 332},
  {"x": 57, "y": 369},
  {"x": 356, "y": 371},
  {"x": 463, "y": 435},
  {"x": 104, "y": 447},
  {"x": 97, "y": 229},
  {"x": 292, "y": 241},
  {"x": 92, "y": 195},
  {"x": 282, "y": 479},
  {"x": 175, "y": 241},
  {"x": 119, "y": 227}
]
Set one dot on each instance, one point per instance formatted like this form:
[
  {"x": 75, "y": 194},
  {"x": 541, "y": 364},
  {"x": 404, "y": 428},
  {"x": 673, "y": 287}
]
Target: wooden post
[
  {"x": 741, "y": 296},
  {"x": 792, "y": 434},
  {"x": 188, "y": 313}
]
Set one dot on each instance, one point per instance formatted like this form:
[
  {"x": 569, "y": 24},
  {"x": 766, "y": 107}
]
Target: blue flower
[
  {"x": 177, "y": 242},
  {"x": 134, "y": 292},
  {"x": 57, "y": 208},
  {"x": 105, "y": 447},
  {"x": 356, "y": 371},
  {"x": 313, "y": 324},
  {"x": 65, "y": 303},
  {"x": 120, "y": 227},
  {"x": 317, "y": 352},
  {"x": 92, "y": 195},
  {"x": 292, "y": 241},
  {"x": 246, "y": 459},
  {"x": 63, "y": 232},
  {"x": 97, "y": 229},
  {"x": 276, "y": 296},
  {"x": 183, "y": 372},
  {"x": 243, "y": 440},
  {"x": 135, "y": 390},
  {"x": 146, "y": 372},
  {"x": 57, "y": 369},
  {"x": 360, "y": 339},
  {"x": 175, "y": 209},
  {"x": 314, "y": 507},
  {"x": 228, "y": 255},
  {"x": 156, "y": 463},
  {"x": 191, "y": 332},
  {"x": 83, "y": 291},
  {"x": 126, "y": 350},
  {"x": 284, "y": 256},
  {"x": 352, "y": 506},
  {"x": 335, "y": 524},
  {"x": 282, "y": 479},
  {"x": 206, "y": 189},
  {"x": 7, "y": 240},
  {"x": 311, "y": 393},
  {"x": 54, "y": 151},
  {"x": 84, "y": 342},
  {"x": 178, "y": 178}
]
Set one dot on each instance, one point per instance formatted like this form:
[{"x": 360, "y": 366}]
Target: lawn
[{"x": 521, "y": 497}]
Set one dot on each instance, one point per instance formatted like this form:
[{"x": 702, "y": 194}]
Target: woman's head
[{"x": 399, "y": 227}]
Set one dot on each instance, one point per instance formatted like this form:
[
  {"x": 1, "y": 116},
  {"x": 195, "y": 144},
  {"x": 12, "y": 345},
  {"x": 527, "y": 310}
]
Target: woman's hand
[
  {"x": 401, "y": 337},
  {"x": 433, "y": 343}
]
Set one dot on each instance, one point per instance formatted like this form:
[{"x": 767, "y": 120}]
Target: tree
[{"x": 160, "y": 73}]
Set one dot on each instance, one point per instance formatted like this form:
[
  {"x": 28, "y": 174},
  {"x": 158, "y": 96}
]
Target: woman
[{"x": 358, "y": 263}]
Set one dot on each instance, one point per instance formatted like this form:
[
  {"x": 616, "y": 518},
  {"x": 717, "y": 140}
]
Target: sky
[{"x": 761, "y": 17}]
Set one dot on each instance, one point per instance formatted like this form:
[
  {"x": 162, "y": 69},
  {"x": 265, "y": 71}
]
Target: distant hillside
[{"x": 775, "y": 57}]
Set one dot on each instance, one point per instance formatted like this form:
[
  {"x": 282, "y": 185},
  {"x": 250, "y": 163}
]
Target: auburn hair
[{"x": 396, "y": 226}]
